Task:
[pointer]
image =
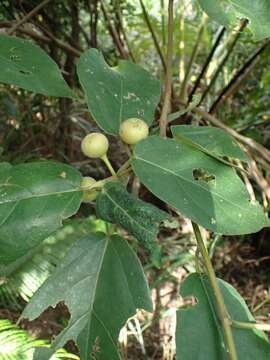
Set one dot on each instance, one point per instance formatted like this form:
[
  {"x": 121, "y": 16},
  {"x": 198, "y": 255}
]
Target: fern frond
[
  {"x": 17, "y": 344},
  {"x": 25, "y": 280}
]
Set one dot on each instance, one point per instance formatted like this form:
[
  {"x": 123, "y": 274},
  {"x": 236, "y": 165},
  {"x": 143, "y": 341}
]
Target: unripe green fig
[
  {"x": 88, "y": 193},
  {"x": 133, "y": 130},
  {"x": 95, "y": 145}
]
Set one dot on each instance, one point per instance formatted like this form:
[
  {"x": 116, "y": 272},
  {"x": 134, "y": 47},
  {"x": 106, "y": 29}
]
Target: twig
[
  {"x": 259, "y": 306},
  {"x": 223, "y": 314},
  {"x": 163, "y": 22},
  {"x": 182, "y": 63},
  {"x": 62, "y": 44},
  {"x": 92, "y": 7},
  {"x": 264, "y": 153},
  {"x": 251, "y": 326},
  {"x": 239, "y": 77},
  {"x": 206, "y": 64},
  {"x": 45, "y": 38},
  {"x": 122, "y": 28},
  {"x": 247, "y": 182},
  {"x": 235, "y": 36},
  {"x": 28, "y": 16},
  {"x": 168, "y": 79},
  {"x": 261, "y": 181},
  {"x": 113, "y": 32},
  {"x": 194, "y": 54},
  {"x": 33, "y": 34},
  {"x": 153, "y": 34}
]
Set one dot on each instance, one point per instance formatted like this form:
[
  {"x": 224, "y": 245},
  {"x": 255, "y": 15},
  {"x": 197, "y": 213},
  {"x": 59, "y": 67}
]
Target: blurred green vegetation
[{"x": 235, "y": 88}]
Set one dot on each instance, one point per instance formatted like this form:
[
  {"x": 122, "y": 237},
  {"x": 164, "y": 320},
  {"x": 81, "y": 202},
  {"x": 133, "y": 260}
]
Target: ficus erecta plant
[{"x": 101, "y": 279}]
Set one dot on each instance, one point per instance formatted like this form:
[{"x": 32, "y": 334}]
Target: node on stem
[{"x": 88, "y": 193}]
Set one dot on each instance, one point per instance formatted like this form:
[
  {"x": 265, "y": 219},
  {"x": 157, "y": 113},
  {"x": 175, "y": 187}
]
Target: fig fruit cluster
[{"x": 95, "y": 145}]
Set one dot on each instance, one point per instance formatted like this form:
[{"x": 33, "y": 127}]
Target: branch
[
  {"x": 120, "y": 20},
  {"x": 261, "y": 181},
  {"x": 250, "y": 325},
  {"x": 28, "y": 16},
  {"x": 235, "y": 36},
  {"x": 222, "y": 311},
  {"x": 192, "y": 58},
  {"x": 163, "y": 22},
  {"x": 113, "y": 32},
  {"x": 260, "y": 149},
  {"x": 61, "y": 44},
  {"x": 182, "y": 62},
  {"x": 154, "y": 37},
  {"x": 206, "y": 64},
  {"x": 239, "y": 77},
  {"x": 44, "y": 38},
  {"x": 168, "y": 79},
  {"x": 92, "y": 7}
]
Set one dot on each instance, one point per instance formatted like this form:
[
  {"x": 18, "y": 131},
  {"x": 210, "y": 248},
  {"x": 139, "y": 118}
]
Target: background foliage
[{"x": 226, "y": 68}]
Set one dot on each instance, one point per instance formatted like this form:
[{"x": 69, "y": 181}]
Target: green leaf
[
  {"x": 199, "y": 186},
  {"x": 199, "y": 333},
  {"x": 118, "y": 93},
  {"x": 258, "y": 14},
  {"x": 114, "y": 204},
  {"x": 22, "y": 278},
  {"x": 219, "y": 10},
  {"x": 26, "y": 65},
  {"x": 196, "y": 98},
  {"x": 102, "y": 283},
  {"x": 212, "y": 140},
  {"x": 34, "y": 199},
  {"x": 225, "y": 12}
]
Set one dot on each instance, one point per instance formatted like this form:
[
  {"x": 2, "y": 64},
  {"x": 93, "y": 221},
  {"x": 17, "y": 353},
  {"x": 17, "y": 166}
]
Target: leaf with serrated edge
[
  {"x": 118, "y": 93},
  {"x": 26, "y": 65},
  {"x": 102, "y": 283},
  {"x": 199, "y": 332},
  {"x": 222, "y": 205},
  {"x": 114, "y": 204},
  {"x": 34, "y": 199}
]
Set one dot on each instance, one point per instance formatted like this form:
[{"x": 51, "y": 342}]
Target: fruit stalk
[{"x": 108, "y": 164}]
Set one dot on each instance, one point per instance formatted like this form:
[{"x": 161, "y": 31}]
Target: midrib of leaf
[
  {"x": 125, "y": 276},
  {"x": 127, "y": 214},
  {"x": 121, "y": 99},
  {"x": 90, "y": 309},
  {"x": 189, "y": 181},
  {"x": 131, "y": 296},
  {"x": 39, "y": 195},
  {"x": 118, "y": 72},
  {"x": 211, "y": 153},
  {"x": 94, "y": 293},
  {"x": 105, "y": 328}
]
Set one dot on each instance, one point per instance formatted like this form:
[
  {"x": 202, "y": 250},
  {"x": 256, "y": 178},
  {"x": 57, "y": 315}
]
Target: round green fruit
[
  {"x": 133, "y": 130},
  {"x": 95, "y": 145},
  {"x": 90, "y": 194}
]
